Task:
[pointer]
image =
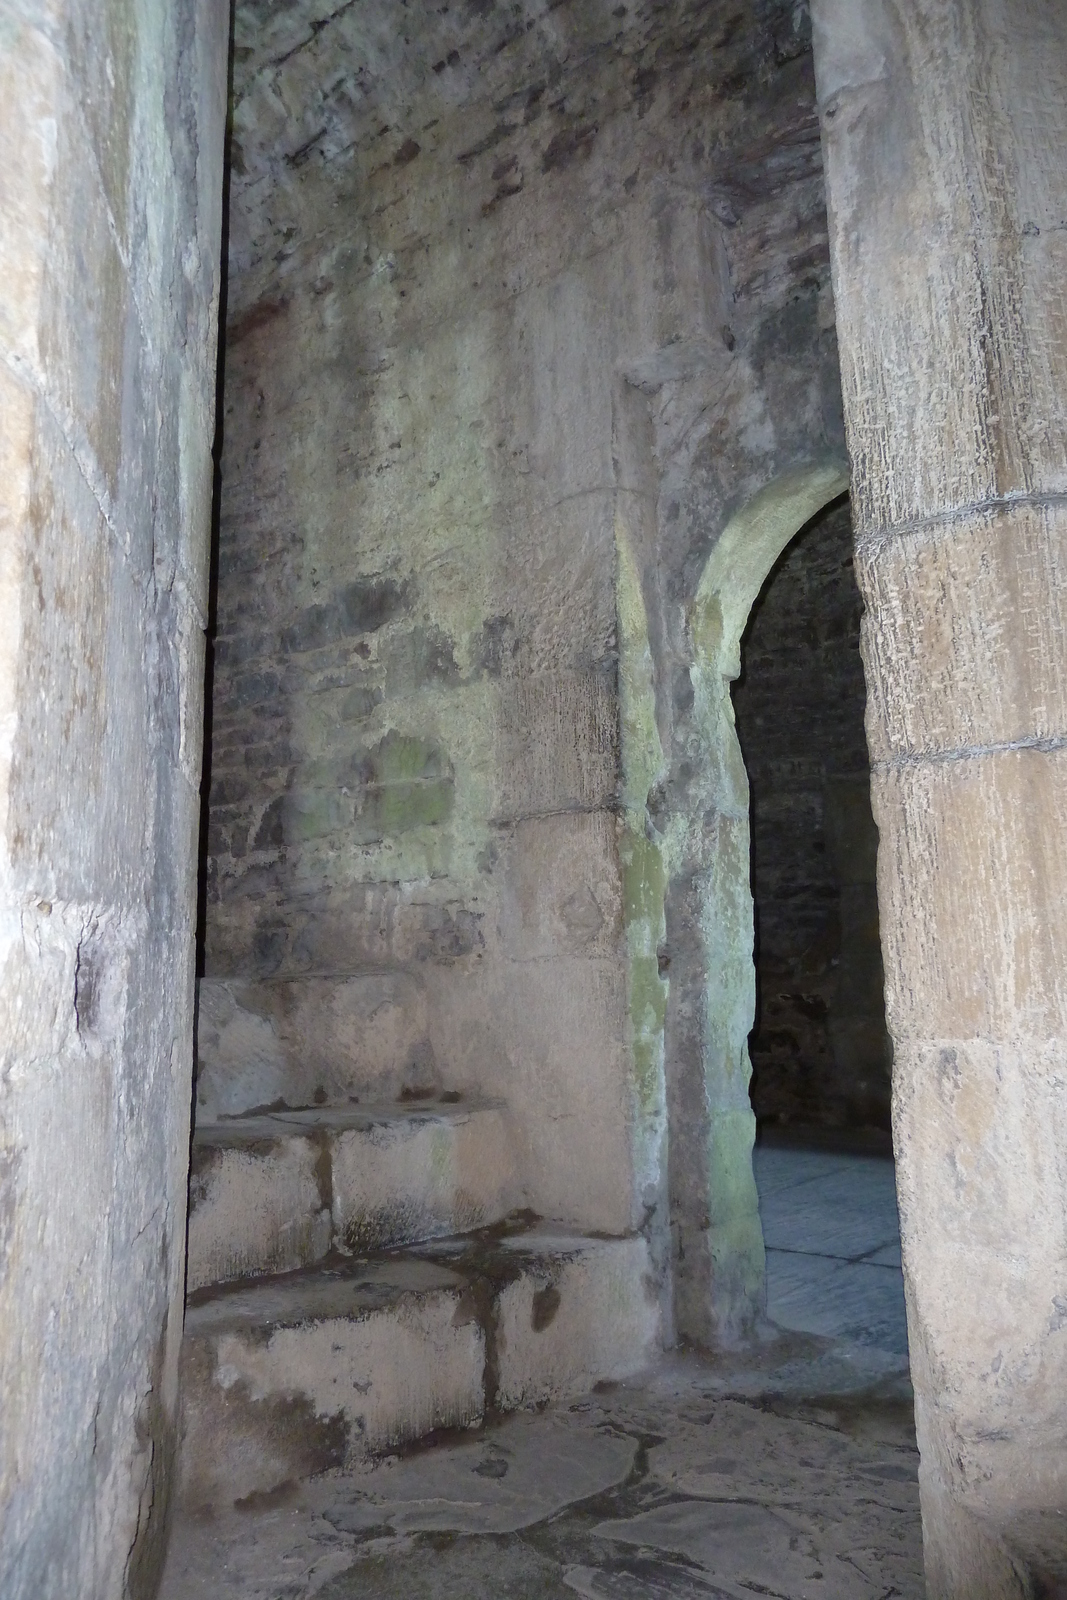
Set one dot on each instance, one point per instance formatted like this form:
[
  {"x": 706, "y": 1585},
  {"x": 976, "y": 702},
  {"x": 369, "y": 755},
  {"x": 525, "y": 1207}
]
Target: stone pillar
[
  {"x": 945, "y": 135},
  {"x": 111, "y": 149}
]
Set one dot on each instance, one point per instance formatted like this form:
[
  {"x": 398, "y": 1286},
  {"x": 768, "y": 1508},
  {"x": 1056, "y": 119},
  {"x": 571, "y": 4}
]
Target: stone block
[
  {"x": 965, "y": 632},
  {"x": 563, "y": 410},
  {"x": 272, "y": 1193},
  {"x": 293, "y": 1377},
  {"x": 87, "y": 310},
  {"x": 325, "y": 1368},
  {"x": 562, "y": 887},
  {"x": 102, "y": 55},
  {"x": 557, "y": 743},
  {"x": 564, "y": 1073},
  {"x": 87, "y": 721},
  {"x": 557, "y": 588},
  {"x": 30, "y": 77},
  {"x": 583, "y": 1311},
  {"x": 421, "y": 1174},
  {"x": 241, "y": 1061},
  {"x": 259, "y": 1200},
  {"x": 980, "y": 1129},
  {"x": 17, "y": 428},
  {"x": 945, "y": 210},
  {"x": 972, "y": 879},
  {"x": 313, "y": 1041},
  {"x": 261, "y": 929}
]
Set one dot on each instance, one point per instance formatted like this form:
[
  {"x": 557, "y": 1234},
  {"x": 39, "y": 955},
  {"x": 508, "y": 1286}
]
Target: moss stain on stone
[{"x": 643, "y": 862}]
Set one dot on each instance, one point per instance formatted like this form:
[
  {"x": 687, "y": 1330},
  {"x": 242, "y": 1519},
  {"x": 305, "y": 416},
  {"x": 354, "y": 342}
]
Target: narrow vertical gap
[
  {"x": 213, "y": 570},
  {"x": 213, "y": 554}
]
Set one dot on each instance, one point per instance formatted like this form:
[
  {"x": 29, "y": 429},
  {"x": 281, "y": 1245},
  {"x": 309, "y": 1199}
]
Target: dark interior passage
[{"x": 819, "y": 1047}]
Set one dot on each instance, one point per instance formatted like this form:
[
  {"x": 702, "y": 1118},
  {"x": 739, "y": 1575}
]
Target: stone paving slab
[
  {"x": 847, "y": 1211},
  {"x": 781, "y": 1167},
  {"x": 833, "y": 1247},
  {"x": 848, "y": 1300},
  {"x": 662, "y": 1487}
]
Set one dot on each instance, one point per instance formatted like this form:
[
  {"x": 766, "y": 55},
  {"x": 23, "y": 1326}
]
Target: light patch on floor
[{"x": 833, "y": 1246}]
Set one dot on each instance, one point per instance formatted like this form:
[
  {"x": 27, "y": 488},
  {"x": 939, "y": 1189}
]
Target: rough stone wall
[
  {"x": 945, "y": 131},
  {"x": 111, "y": 139},
  {"x": 819, "y": 1049},
  {"x": 522, "y": 304}
]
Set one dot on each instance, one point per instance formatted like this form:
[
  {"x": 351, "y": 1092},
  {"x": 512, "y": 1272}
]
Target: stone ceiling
[{"x": 345, "y": 91}]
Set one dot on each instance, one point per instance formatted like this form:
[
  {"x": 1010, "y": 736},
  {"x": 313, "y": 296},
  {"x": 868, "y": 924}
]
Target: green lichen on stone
[
  {"x": 408, "y": 784},
  {"x": 713, "y": 841},
  {"x": 644, "y": 870},
  {"x": 402, "y": 759},
  {"x": 735, "y": 1233},
  {"x": 644, "y": 884},
  {"x": 404, "y": 806},
  {"x": 642, "y": 752},
  {"x": 313, "y": 814}
]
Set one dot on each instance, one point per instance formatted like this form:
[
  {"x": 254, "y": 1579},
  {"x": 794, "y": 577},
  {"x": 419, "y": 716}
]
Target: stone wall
[
  {"x": 820, "y": 1054},
  {"x": 945, "y": 129},
  {"x": 521, "y": 309},
  {"x": 111, "y": 137}
]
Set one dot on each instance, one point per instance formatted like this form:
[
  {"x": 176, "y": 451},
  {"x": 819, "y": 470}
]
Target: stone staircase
[{"x": 359, "y": 1278}]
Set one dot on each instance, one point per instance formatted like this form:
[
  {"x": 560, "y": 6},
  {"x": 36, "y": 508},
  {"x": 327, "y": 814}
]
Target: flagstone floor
[{"x": 787, "y": 1471}]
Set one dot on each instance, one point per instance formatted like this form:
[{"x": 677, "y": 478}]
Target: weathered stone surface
[
  {"x": 971, "y": 648},
  {"x": 944, "y": 129},
  {"x": 439, "y": 1172},
  {"x": 272, "y": 1193},
  {"x": 329, "y": 1367},
  {"x": 581, "y": 1313},
  {"x": 311, "y": 1371},
  {"x": 312, "y": 1041},
  {"x": 968, "y": 182},
  {"x": 981, "y": 953},
  {"x": 256, "y": 1201},
  {"x": 576, "y": 313},
  {"x": 648, "y": 1488},
  {"x": 111, "y": 157}
]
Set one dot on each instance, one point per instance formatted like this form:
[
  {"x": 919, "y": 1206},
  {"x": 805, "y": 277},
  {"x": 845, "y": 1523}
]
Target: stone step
[
  {"x": 329, "y": 1366},
  {"x": 273, "y": 1192}
]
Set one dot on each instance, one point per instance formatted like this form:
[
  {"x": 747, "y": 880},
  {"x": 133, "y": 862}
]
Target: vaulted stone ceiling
[{"x": 356, "y": 94}]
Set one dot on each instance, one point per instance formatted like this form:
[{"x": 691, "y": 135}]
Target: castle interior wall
[
  {"x": 518, "y": 314},
  {"x": 111, "y": 160}
]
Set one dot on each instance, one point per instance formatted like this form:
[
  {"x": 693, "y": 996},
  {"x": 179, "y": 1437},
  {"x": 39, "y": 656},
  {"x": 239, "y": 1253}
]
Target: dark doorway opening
[{"x": 820, "y": 1050}]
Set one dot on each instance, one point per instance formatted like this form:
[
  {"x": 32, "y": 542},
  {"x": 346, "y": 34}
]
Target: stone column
[
  {"x": 945, "y": 135},
  {"x": 111, "y": 152}
]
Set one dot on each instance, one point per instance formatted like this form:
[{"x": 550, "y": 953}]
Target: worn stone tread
[
  {"x": 321, "y": 1367},
  {"x": 257, "y": 1125},
  {"x": 314, "y": 1294},
  {"x": 275, "y": 1191}
]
